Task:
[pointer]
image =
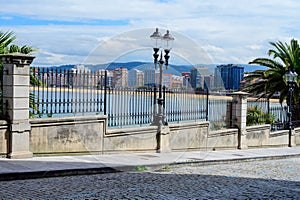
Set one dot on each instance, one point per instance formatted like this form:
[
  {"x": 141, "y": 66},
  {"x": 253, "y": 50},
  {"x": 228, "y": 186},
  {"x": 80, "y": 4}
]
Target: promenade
[{"x": 56, "y": 166}]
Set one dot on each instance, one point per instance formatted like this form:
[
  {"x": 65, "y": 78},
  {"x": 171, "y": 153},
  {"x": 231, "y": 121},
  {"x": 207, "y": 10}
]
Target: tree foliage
[
  {"x": 271, "y": 81},
  {"x": 6, "y": 46}
]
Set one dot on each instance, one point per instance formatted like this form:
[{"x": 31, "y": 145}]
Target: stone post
[
  {"x": 163, "y": 139},
  {"x": 16, "y": 79},
  {"x": 293, "y": 139},
  {"x": 239, "y": 117}
]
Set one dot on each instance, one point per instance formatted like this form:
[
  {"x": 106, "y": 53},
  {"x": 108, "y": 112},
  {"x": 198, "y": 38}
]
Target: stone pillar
[
  {"x": 163, "y": 139},
  {"x": 239, "y": 117},
  {"x": 16, "y": 79},
  {"x": 293, "y": 139}
]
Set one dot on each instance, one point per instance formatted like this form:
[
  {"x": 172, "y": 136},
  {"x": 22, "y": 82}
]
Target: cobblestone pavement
[{"x": 271, "y": 179}]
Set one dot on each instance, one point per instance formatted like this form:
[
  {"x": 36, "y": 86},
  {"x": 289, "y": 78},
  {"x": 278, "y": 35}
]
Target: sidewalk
[{"x": 38, "y": 167}]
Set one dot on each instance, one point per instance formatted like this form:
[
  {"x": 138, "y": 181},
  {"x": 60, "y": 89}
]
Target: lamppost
[
  {"x": 291, "y": 79},
  {"x": 160, "y": 49}
]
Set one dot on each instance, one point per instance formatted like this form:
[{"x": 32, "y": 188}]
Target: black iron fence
[
  {"x": 185, "y": 105},
  {"x": 257, "y": 111},
  {"x": 55, "y": 92},
  {"x": 280, "y": 117},
  {"x": 220, "y": 112},
  {"x": 1, "y": 93},
  {"x": 129, "y": 106},
  {"x": 270, "y": 111},
  {"x": 58, "y": 92}
]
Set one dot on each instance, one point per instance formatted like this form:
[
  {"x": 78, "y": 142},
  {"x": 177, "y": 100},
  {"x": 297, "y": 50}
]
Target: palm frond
[{"x": 6, "y": 38}]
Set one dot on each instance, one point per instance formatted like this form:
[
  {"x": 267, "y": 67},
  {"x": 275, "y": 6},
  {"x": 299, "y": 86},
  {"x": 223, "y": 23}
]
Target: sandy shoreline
[{"x": 101, "y": 91}]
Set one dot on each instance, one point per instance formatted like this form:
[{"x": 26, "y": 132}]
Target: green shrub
[{"x": 256, "y": 116}]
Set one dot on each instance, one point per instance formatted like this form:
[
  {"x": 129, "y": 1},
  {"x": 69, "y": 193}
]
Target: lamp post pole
[
  {"x": 291, "y": 79},
  {"x": 159, "y": 118},
  {"x": 290, "y": 123}
]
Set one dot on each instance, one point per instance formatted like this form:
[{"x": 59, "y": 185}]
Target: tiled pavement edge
[{"x": 53, "y": 166}]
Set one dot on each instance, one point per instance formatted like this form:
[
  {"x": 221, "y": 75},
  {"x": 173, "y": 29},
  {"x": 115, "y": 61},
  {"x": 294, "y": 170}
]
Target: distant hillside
[
  {"x": 172, "y": 69},
  {"x": 251, "y": 68}
]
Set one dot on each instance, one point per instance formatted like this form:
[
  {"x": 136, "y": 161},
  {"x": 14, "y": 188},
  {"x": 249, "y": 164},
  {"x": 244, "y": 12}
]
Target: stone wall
[
  {"x": 67, "y": 135},
  {"x": 188, "y": 136},
  {"x": 297, "y": 136},
  {"x": 131, "y": 139},
  {"x": 88, "y": 135},
  {"x": 223, "y": 139},
  {"x": 258, "y": 136},
  {"x": 3, "y": 138}
]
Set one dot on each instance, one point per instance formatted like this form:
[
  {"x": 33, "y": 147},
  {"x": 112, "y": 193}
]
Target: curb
[{"x": 129, "y": 168}]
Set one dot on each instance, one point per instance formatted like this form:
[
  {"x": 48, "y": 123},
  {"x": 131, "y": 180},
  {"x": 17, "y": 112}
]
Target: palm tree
[
  {"x": 271, "y": 81},
  {"x": 6, "y": 46}
]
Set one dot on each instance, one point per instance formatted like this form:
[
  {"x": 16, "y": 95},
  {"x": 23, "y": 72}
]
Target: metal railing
[
  {"x": 280, "y": 117},
  {"x": 184, "y": 105},
  {"x": 274, "y": 113},
  {"x": 257, "y": 111},
  {"x": 56, "y": 92},
  {"x": 220, "y": 112},
  {"x": 1, "y": 94},
  {"x": 61, "y": 92},
  {"x": 129, "y": 106}
]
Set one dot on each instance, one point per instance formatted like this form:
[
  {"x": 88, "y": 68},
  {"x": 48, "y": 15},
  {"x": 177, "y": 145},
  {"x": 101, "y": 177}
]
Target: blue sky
[{"x": 72, "y": 31}]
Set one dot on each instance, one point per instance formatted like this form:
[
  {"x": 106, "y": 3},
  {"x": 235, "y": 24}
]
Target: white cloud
[
  {"x": 212, "y": 48},
  {"x": 255, "y": 47},
  {"x": 227, "y": 32}
]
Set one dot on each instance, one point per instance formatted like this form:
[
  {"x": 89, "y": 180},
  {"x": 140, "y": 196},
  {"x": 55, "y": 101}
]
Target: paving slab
[{"x": 39, "y": 167}]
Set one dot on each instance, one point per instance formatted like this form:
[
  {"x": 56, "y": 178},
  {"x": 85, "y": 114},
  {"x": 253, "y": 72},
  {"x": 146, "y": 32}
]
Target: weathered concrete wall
[
  {"x": 279, "y": 138},
  {"x": 3, "y": 138},
  {"x": 67, "y": 135},
  {"x": 88, "y": 134},
  {"x": 258, "y": 136},
  {"x": 223, "y": 139},
  {"x": 297, "y": 136},
  {"x": 131, "y": 139},
  {"x": 186, "y": 136},
  {"x": 261, "y": 136}
]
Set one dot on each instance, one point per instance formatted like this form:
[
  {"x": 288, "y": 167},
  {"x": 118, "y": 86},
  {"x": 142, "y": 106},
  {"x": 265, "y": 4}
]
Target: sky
[{"x": 99, "y": 31}]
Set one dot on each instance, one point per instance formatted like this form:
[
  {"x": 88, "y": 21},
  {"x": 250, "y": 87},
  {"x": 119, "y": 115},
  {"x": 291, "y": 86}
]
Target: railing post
[
  {"x": 154, "y": 118},
  {"x": 16, "y": 79},
  {"x": 1, "y": 95},
  {"x": 239, "y": 116},
  {"x": 105, "y": 91},
  {"x": 207, "y": 104}
]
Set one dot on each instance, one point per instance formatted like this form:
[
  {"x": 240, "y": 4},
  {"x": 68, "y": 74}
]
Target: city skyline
[
  {"x": 68, "y": 32},
  {"x": 224, "y": 77}
]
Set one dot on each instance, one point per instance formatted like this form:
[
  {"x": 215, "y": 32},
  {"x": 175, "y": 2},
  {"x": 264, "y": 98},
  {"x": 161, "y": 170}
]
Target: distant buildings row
[{"x": 226, "y": 77}]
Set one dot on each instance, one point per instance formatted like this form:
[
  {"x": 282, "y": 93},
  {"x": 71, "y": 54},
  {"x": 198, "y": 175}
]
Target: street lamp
[
  {"x": 161, "y": 46},
  {"x": 291, "y": 79}
]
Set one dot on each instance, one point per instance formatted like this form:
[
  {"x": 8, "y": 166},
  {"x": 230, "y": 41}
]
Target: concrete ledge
[
  {"x": 66, "y": 120},
  {"x": 279, "y": 133},
  {"x": 258, "y": 127},
  {"x": 3, "y": 124},
  {"x": 188, "y": 125},
  {"x": 223, "y": 132},
  {"x": 130, "y": 131}
]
